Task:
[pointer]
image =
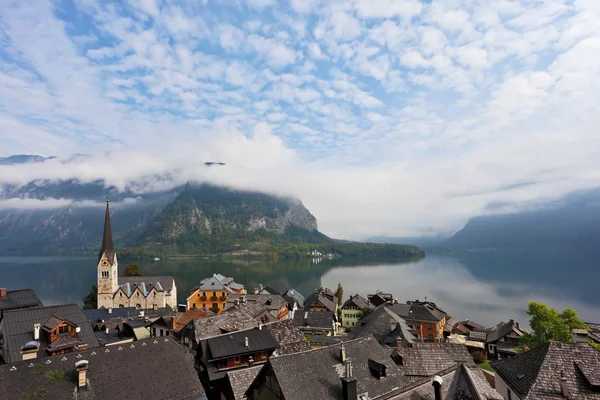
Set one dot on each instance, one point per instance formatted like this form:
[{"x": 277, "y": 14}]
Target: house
[
  {"x": 321, "y": 300},
  {"x": 316, "y": 322},
  {"x": 378, "y": 298},
  {"x": 230, "y": 321},
  {"x": 162, "y": 326},
  {"x": 134, "y": 371},
  {"x": 503, "y": 339},
  {"x": 552, "y": 371},
  {"x": 427, "y": 320},
  {"x": 386, "y": 327},
  {"x": 263, "y": 307},
  {"x": 183, "y": 329},
  {"x": 288, "y": 337},
  {"x": 39, "y": 332},
  {"x": 265, "y": 290},
  {"x": 354, "y": 309},
  {"x": 594, "y": 332},
  {"x": 112, "y": 337},
  {"x": 237, "y": 288},
  {"x": 212, "y": 294},
  {"x": 18, "y": 299},
  {"x": 295, "y": 301},
  {"x": 429, "y": 304},
  {"x": 138, "y": 329},
  {"x": 142, "y": 292},
  {"x": 217, "y": 355},
  {"x": 421, "y": 360},
  {"x": 449, "y": 326},
  {"x": 475, "y": 348},
  {"x": 362, "y": 369}
]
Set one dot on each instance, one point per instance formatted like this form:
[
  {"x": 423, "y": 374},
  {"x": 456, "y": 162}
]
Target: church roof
[
  {"x": 107, "y": 240},
  {"x": 145, "y": 284}
]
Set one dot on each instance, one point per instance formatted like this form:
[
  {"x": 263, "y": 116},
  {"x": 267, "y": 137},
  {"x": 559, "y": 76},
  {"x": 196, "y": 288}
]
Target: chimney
[
  {"x": 36, "y": 331},
  {"x": 82, "y": 367},
  {"x": 260, "y": 326},
  {"x": 236, "y": 302},
  {"x": 349, "y": 384},
  {"x": 246, "y": 341},
  {"x": 110, "y": 310},
  {"x": 564, "y": 386},
  {"x": 255, "y": 290},
  {"x": 2, "y": 292},
  {"x": 437, "y": 386},
  {"x": 343, "y": 353},
  {"x": 580, "y": 335},
  {"x": 260, "y": 287},
  {"x": 173, "y": 322}
]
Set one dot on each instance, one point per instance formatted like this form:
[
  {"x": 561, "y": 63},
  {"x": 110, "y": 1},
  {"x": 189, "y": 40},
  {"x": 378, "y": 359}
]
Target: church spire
[{"x": 107, "y": 240}]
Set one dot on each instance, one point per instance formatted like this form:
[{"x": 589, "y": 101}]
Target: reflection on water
[{"x": 486, "y": 286}]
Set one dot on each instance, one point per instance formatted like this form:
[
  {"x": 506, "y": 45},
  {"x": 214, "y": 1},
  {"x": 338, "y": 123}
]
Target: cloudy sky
[{"x": 383, "y": 116}]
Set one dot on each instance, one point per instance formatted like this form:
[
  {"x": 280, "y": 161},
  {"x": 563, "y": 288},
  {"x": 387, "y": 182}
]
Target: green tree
[
  {"x": 91, "y": 300},
  {"x": 547, "y": 324},
  {"x": 132, "y": 270},
  {"x": 339, "y": 293}
]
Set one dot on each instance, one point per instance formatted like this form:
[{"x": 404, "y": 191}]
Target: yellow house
[
  {"x": 213, "y": 292},
  {"x": 353, "y": 310}
]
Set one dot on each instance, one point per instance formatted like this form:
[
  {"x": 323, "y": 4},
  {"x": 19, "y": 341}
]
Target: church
[{"x": 142, "y": 292}]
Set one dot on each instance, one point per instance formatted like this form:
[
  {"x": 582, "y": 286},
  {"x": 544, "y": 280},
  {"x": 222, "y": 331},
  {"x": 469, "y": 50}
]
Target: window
[
  {"x": 204, "y": 294},
  {"x": 215, "y": 306},
  {"x": 167, "y": 333},
  {"x": 105, "y": 274},
  {"x": 63, "y": 329},
  {"x": 223, "y": 294},
  {"x": 193, "y": 305},
  {"x": 198, "y": 294},
  {"x": 121, "y": 306},
  {"x": 203, "y": 305},
  {"x": 429, "y": 326},
  {"x": 154, "y": 294},
  {"x": 120, "y": 294},
  {"x": 215, "y": 294}
]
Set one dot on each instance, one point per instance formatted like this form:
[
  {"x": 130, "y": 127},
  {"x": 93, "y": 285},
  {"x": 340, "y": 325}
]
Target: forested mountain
[{"x": 571, "y": 223}]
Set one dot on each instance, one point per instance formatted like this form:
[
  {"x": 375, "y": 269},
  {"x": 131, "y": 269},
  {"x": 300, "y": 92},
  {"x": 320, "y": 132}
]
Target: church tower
[{"x": 107, "y": 266}]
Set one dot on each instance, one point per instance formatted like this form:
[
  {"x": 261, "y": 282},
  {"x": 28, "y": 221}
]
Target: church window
[
  {"x": 105, "y": 274},
  {"x": 121, "y": 306},
  {"x": 120, "y": 294},
  {"x": 154, "y": 293},
  {"x": 138, "y": 306}
]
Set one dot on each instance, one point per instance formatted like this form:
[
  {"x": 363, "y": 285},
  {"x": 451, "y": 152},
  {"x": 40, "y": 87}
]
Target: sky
[{"x": 385, "y": 117}]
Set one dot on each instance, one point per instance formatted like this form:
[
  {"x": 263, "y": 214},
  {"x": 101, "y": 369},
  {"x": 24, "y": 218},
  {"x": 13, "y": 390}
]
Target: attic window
[{"x": 377, "y": 369}]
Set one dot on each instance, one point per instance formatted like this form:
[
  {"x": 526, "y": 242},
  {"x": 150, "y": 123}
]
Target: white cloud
[
  {"x": 340, "y": 26},
  {"x": 260, "y": 3},
  {"x": 304, "y": 6},
  {"x": 388, "y": 8},
  {"x": 277, "y": 54}
]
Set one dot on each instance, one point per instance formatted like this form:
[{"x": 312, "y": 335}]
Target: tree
[
  {"x": 547, "y": 324},
  {"x": 91, "y": 300},
  {"x": 132, "y": 270},
  {"x": 339, "y": 293}
]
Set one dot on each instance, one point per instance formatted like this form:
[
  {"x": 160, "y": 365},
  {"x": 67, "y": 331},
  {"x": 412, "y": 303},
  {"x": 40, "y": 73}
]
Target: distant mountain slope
[
  {"x": 572, "y": 223},
  {"x": 423, "y": 241},
  {"x": 22, "y": 159}
]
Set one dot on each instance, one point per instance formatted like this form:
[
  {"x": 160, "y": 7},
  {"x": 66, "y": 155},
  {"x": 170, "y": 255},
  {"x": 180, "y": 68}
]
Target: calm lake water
[{"x": 483, "y": 286}]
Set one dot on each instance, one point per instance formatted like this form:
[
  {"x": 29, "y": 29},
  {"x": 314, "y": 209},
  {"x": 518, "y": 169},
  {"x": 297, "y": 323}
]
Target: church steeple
[{"x": 107, "y": 240}]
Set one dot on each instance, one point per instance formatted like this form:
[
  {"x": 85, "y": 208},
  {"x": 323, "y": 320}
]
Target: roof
[
  {"x": 214, "y": 283},
  {"x": 241, "y": 379},
  {"x": 103, "y": 314},
  {"x": 418, "y": 311},
  {"x": 385, "y": 325},
  {"x": 478, "y": 335},
  {"x": 314, "y": 319},
  {"x": 450, "y": 324},
  {"x": 233, "y": 344},
  {"x": 288, "y": 336},
  {"x": 460, "y": 382},
  {"x": 461, "y": 339},
  {"x": 22, "y": 298},
  {"x": 322, "y": 340},
  {"x": 426, "y": 359},
  {"x": 501, "y": 330},
  {"x": 256, "y": 304},
  {"x": 321, "y": 297},
  {"x": 471, "y": 324},
  {"x": 107, "y": 240},
  {"x": 163, "y": 369},
  {"x": 54, "y": 321},
  {"x": 190, "y": 315},
  {"x": 232, "y": 320},
  {"x": 316, "y": 374},
  {"x": 358, "y": 301},
  {"x": 18, "y": 327},
  {"x": 536, "y": 374},
  {"x": 292, "y": 295},
  {"x": 145, "y": 283},
  {"x": 269, "y": 290}
]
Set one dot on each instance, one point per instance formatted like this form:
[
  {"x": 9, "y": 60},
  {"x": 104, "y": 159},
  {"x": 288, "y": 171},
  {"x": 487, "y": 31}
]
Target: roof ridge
[
  {"x": 542, "y": 365},
  {"x": 39, "y": 308}
]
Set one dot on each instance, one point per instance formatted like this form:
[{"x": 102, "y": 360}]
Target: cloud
[{"x": 382, "y": 105}]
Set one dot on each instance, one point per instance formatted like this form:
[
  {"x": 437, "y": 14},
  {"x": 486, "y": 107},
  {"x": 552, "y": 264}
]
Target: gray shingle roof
[
  {"x": 146, "y": 282},
  {"x": 162, "y": 369},
  {"x": 536, "y": 374},
  {"x": 501, "y": 330},
  {"x": 319, "y": 296},
  {"x": 385, "y": 326},
  {"x": 316, "y": 374},
  {"x": 418, "y": 311},
  {"x": 241, "y": 379},
  {"x": 256, "y": 304},
  {"x": 232, "y": 320},
  {"x": 288, "y": 336},
  {"x": 293, "y": 295},
  {"x": 22, "y": 298},
  {"x": 18, "y": 328},
  {"x": 426, "y": 359},
  {"x": 226, "y": 346},
  {"x": 314, "y": 319},
  {"x": 102, "y": 314},
  {"x": 322, "y": 340},
  {"x": 358, "y": 301}
]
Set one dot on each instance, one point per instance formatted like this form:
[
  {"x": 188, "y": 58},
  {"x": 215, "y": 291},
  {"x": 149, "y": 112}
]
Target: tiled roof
[
  {"x": 501, "y": 330},
  {"x": 316, "y": 374},
  {"x": 213, "y": 284},
  {"x": 450, "y": 324},
  {"x": 228, "y": 345},
  {"x": 145, "y": 283},
  {"x": 102, "y": 314},
  {"x": 52, "y": 322},
  {"x": 322, "y": 340},
  {"x": 536, "y": 374},
  {"x": 358, "y": 301},
  {"x": 269, "y": 290},
  {"x": 162, "y": 369},
  {"x": 190, "y": 315},
  {"x": 478, "y": 335},
  {"x": 21, "y": 298},
  {"x": 18, "y": 328},
  {"x": 232, "y": 320},
  {"x": 314, "y": 319},
  {"x": 288, "y": 336},
  {"x": 319, "y": 296},
  {"x": 256, "y": 304},
  {"x": 418, "y": 311},
  {"x": 426, "y": 359},
  {"x": 385, "y": 326},
  {"x": 293, "y": 295},
  {"x": 241, "y": 379}
]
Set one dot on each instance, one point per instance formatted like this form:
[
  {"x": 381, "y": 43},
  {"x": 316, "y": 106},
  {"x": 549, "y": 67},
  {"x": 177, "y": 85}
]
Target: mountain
[
  {"x": 570, "y": 223},
  {"x": 421, "y": 241},
  {"x": 23, "y": 159}
]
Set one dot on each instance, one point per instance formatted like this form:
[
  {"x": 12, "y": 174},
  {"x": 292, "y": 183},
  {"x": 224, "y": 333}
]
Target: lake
[{"x": 486, "y": 287}]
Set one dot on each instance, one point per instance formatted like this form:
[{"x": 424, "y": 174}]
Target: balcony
[
  {"x": 223, "y": 298},
  {"x": 213, "y": 298},
  {"x": 203, "y": 298}
]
